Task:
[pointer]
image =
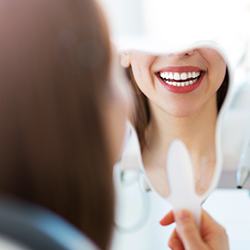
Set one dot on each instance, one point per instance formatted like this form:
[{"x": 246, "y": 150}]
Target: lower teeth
[{"x": 181, "y": 84}]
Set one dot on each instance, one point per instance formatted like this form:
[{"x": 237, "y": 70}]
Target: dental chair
[{"x": 27, "y": 227}]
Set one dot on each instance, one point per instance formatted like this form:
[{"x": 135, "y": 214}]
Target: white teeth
[
  {"x": 171, "y": 75},
  {"x": 181, "y": 84},
  {"x": 195, "y": 74},
  {"x": 184, "y": 76},
  {"x": 180, "y": 79},
  {"x": 177, "y": 76}
]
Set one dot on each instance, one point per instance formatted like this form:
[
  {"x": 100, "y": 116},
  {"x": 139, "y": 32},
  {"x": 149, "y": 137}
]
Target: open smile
[{"x": 181, "y": 79}]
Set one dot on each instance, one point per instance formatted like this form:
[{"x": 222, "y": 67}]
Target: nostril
[
  {"x": 189, "y": 52},
  {"x": 185, "y": 53}
]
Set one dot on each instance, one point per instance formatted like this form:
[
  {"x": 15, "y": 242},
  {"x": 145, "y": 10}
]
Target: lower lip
[{"x": 184, "y": 89}]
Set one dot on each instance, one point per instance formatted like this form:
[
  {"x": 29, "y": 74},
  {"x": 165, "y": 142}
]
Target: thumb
[{"x": 188, "y": 231}]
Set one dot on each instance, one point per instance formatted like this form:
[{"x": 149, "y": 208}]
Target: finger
[
  {"x": 174, "y": 242},
  {"x": 188, "y": 231},
  {"x": 209, "y": 227},
  {"x": 168, "y": 219},
  {"x": 207, "y": 221}
]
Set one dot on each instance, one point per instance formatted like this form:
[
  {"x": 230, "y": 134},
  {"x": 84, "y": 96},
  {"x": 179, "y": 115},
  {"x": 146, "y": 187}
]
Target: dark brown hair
[
  {"x": 141, "y": 117},
  {"x": 54, "y": 69}
]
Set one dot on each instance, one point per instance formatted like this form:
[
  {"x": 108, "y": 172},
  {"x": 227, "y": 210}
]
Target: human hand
[{"x": 188, "y": 236}]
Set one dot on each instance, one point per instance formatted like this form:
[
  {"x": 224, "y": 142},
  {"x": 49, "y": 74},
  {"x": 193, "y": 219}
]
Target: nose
[{"x": 185, "y": 53}]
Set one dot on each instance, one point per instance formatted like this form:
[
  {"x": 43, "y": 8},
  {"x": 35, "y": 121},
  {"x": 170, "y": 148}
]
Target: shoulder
[{"x": 131, "y": 155}]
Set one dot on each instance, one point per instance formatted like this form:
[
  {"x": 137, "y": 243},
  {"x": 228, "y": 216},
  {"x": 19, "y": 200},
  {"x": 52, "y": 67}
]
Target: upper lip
[{"x": 180, "y": 69}]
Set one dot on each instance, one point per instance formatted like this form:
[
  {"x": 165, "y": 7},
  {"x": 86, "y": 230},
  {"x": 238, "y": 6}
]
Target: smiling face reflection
[
  {"x": 181, "y": 92},
  {"x": 179, "y": 83}
]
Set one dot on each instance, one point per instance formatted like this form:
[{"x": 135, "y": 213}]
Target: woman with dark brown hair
[{"x": 57, "y": 95}]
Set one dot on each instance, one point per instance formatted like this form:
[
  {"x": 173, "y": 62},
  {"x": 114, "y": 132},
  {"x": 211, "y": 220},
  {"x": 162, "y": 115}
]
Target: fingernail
[
  {"x": 182, "y": 215},
  {"x": 162, "y": 221}
]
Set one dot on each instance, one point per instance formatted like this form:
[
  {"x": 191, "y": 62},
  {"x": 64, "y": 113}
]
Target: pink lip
[
  {"x": 184, "y": 89},
  {"x": 181, "y": 69}
]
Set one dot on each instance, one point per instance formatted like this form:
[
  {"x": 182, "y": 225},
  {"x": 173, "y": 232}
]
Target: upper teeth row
[{"x": 179, "y": 76}]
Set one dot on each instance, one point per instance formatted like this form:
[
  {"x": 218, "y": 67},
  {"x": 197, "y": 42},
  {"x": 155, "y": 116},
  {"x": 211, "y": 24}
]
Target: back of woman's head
[{"x": 54, "y": 70}]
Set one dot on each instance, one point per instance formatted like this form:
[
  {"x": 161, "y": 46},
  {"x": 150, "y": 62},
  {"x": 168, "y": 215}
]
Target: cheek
[
  {"x": 218, "y": 74},
  {"x": 216, "y": 67},
  {"x": 141, "y": 64},
  {"x": 143, "y": 78}
]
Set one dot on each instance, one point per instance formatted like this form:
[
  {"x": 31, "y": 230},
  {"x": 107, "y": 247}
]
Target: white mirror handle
[{"x": 181, "y": 180}]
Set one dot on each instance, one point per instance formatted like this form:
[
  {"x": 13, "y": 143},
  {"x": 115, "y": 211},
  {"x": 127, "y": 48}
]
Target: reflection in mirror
[{"x": 178, "y": 95}]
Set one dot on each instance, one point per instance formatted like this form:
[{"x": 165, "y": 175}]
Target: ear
[{"x": 125, "y": 59}]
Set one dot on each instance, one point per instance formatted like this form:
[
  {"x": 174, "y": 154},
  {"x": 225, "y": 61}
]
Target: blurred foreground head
[{"x": 54, "y": 73}]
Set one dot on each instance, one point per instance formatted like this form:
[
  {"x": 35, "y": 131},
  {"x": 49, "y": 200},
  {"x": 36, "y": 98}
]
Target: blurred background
[{"x": 227, "y": 21}]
